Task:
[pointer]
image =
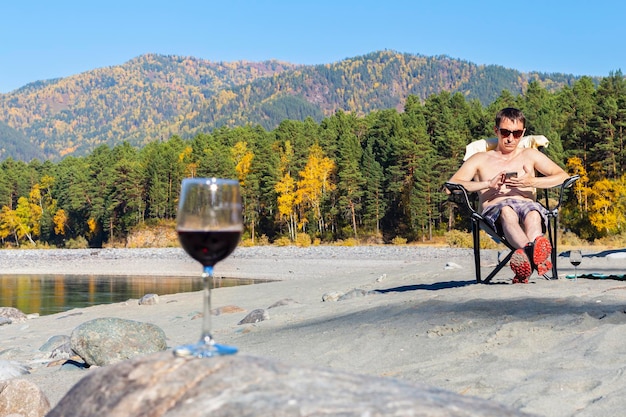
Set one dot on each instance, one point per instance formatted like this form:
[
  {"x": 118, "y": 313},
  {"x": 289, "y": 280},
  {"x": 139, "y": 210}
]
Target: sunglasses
[{"x": 506, "y": 133}]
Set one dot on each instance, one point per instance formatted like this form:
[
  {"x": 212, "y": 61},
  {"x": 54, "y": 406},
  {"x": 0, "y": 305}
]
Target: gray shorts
[{"x": 522, "y": 207}]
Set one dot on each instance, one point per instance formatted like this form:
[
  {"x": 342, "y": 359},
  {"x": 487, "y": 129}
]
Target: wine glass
[
  {"x": 209, "y": 225},
  {"x": 575, "y": 258}
]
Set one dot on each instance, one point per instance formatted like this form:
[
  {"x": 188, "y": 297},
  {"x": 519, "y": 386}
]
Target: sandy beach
[{"x": 551, "y": 348}]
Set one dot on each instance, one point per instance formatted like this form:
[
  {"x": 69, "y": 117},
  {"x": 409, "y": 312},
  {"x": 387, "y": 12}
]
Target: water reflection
[{"x": 49, "y": 294}]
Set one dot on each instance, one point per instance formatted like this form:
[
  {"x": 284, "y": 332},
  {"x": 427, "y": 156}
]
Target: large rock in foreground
[{"x": 163, "y": 385}]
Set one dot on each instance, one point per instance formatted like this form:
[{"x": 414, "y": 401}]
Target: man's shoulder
[
  {"x": 479, "y": 156},
  {"x": 533, "y": 151}
]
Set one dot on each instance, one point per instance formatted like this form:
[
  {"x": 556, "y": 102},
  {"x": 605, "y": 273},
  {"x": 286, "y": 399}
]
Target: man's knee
[
  {"x": 533, "y": 216},
  {"x": 508, "y": 215}
]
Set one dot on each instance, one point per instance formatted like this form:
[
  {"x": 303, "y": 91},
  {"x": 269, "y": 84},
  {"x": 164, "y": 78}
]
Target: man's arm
[
  {"x": 553, "y": 174},
  {"x": 469, "y": 171}
]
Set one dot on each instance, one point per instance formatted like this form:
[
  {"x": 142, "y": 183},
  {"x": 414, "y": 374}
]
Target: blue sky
[{"x": 43, "y": 39}]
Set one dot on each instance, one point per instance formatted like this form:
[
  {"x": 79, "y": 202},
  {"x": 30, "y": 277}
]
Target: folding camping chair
[{"x": 468, "y": 202}]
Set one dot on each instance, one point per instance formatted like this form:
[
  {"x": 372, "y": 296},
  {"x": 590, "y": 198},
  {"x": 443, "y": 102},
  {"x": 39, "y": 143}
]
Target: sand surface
[{"x": 552, "y": 348}]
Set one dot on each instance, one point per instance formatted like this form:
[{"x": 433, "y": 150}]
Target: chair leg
[
  {"x": 555, "y": 274},
  {"x": 500, "y": 265},
  {"x": 552, "y": 228},
  {"x": 476, "y": 238}
]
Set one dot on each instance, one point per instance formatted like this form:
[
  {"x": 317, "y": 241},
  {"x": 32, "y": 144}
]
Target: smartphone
[{"x": 511, "y": 175}]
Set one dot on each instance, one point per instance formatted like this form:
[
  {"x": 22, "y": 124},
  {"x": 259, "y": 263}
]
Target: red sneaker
[
  {"x": 520, "y": 264},
  {"x": 541, "y": 255}
]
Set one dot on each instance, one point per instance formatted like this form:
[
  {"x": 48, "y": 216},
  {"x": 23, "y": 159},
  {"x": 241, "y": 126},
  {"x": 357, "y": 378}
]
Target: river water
[{"x": 50, "y": 294}]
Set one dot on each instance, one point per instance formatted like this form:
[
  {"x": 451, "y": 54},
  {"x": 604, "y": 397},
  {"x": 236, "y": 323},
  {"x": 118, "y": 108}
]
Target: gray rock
[
  {"x": 4, "y": 320},
  {"x": 238, "y": 385},
  {"x": 54, "y": 343},
  {"x": 19, "y": 397},
  {"x": 13, "y": 314},
  {"x": 255, "y": 316},
  {"x": 105, "y": 341},
  {"x": 149, "y": 299},
  {"x": 60, "y": 347}
]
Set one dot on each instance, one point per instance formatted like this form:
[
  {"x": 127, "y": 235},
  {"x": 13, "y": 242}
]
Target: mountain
[
  {"x": 16, "y": 145},
  {"x": 154, "y": 96}
]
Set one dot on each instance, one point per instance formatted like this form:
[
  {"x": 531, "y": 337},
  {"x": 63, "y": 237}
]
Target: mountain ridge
[{"x": 152, "y": 97}]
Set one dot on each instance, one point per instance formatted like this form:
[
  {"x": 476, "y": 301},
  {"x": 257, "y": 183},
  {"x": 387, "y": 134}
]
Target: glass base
[{"x": 203, "y": 350}]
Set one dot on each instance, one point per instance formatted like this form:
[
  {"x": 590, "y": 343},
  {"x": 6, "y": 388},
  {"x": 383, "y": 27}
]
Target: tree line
[{"x": 376, "y": 176}]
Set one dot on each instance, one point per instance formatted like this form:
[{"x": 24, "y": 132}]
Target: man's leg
[
  {"x": 533, "y": 225},
  {"x": 515, "y": 234},
  {"x": 541, "y": 250},
  {"x": 509, "y": 221}
]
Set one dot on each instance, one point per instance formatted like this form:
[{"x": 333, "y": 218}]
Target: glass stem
[{"x": 207, "y": 277}]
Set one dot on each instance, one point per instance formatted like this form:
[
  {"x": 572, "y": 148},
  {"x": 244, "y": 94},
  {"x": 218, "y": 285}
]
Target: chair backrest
[{"x": 483, "y": 145}]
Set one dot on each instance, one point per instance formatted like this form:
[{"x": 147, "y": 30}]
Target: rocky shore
[{"x": 551, "y": 348}]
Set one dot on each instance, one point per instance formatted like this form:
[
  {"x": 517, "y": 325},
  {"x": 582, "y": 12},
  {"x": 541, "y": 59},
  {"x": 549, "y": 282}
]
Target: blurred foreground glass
[{"x": 209, "y": 225}]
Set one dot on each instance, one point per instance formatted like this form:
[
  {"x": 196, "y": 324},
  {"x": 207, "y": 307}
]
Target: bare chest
[{"x": 494, "y": 164}]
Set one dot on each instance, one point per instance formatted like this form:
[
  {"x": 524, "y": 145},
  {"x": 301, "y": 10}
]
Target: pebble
[
  {"x": 149, "y": 300},
  {"x": 255, "y": 316}
]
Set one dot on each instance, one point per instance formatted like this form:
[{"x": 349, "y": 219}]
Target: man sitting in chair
[{"x": 505, "y": 180}]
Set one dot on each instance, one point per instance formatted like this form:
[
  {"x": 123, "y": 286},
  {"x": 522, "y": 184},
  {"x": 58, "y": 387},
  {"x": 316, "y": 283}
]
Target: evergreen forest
[{"x": 348, "y": 176}]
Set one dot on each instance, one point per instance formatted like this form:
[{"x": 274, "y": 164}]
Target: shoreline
[{"x": 552, "y": 348}]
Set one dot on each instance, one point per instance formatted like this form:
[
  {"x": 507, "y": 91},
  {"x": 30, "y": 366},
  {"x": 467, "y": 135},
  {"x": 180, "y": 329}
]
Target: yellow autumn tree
[
  {"x": 29, "y": 216},
  {"x": 60, "y": 221},
  {"x": 243, "y": 157},
  {"x": 9, "y": 224},
  {"x": 581, "y": 187},
  {"x": 286, "y": 202},
  {"x": 185, "y": 158},
  {"x": 607, "y": 206},
  {"x": 243, "y": 160},
  {"x": 314, "y": 183},
  {"x": 92, "y": 226},
  {"x": 286, "y": 190}
]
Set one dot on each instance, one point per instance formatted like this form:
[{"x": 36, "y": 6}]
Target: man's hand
[{"x": 523, "y": 181}]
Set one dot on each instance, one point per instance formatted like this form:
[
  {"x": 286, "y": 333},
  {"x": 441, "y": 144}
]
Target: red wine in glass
[
  {"x": 575, "y": 258},
  {"x": 209, "y": 247},
  {"x": 209, "y": 225}
]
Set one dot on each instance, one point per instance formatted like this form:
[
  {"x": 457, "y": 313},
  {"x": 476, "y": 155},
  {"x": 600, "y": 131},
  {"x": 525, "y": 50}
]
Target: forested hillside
[
  {"x": 376, "y": 177},
  {"x": 16, "y": 145},
  {"x": 153, "y": 97}
]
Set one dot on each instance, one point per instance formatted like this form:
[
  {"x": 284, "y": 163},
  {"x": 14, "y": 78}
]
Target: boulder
[
  {"x": 19, "y": 397},
  {"x": 105, "y": 341},
  {"x": 13, "y": 314},
  {"x": 238, "y": 385}
]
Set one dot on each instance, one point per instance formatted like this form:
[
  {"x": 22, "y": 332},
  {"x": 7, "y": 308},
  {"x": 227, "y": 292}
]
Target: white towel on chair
[{"x": 484, "y": 145}]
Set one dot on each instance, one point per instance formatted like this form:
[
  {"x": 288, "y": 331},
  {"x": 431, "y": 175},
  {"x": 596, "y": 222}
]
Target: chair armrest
[
  {"x": 568, "y": 183},
  {"x": 459, "y": 195}
]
